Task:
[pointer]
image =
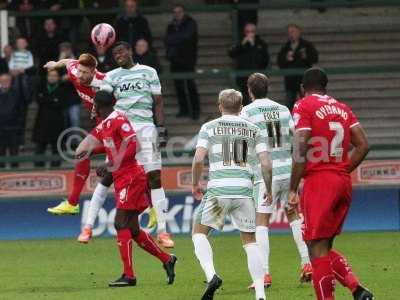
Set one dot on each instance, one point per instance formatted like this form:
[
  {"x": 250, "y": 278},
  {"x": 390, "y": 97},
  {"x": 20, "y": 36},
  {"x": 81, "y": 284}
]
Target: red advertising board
[{"x": 58, "y": 183}]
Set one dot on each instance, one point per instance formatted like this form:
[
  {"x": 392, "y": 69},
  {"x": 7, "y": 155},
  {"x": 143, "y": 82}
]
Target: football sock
[
  {"x": 342, "y": 271},
  {"x": 146, "y": 242},
  {"x": 255, "y": 268},
  {"x": 82, "y": 169},
  {"x": 98, "y": 198},
  {"x": 124, "y": 238},
  {"x": 204, "y": 254},
  {"x": 160, "y": 204},
  {"x": 298, "y": 238},
  {"x": 262, "y": 237},
  {"x": 323, "y": 278}
]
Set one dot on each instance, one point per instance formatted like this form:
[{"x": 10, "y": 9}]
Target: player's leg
[
  {"x": 210, "y": 215},
  {"x": 81, "y": 173},
  {"x": 160, "y": 204},
  {"x": 146, "y": 242},
  {"x": 96, "y": 203},
  {"x": 149, "y": 156},
  {"x": 125, "y": 240},
  {"x": 243, "y": 214}
]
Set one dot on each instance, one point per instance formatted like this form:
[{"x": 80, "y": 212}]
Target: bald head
[{"x": 230, "y": 101}]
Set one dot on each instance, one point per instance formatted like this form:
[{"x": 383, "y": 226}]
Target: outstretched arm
[{"x": 62, "y": 63}]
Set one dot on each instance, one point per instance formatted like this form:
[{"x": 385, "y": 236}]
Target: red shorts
[
  {"x": 132, "y": 192},
  {"x": 325, "y": 201}
]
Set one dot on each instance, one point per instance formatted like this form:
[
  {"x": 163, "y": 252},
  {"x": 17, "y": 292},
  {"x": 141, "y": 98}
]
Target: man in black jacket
[
  {"x": 251, "y": 54},
  {"x": 12, "y": 103},
  {"x": 296, "y": 53},
  {"x": 132, "y": 26},
  {"x": 146, "y": 56},
  {"x": 181, "y": 45}
]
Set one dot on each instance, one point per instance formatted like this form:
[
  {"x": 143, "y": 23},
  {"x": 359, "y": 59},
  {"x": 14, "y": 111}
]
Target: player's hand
[
  {"x": 293, "y": 200},
  {"x": 162, "y": 136},
  {"x": 101, "y": 171},
  {"x": 197, "y": 192},
  {"x": 50, "y": 65}
]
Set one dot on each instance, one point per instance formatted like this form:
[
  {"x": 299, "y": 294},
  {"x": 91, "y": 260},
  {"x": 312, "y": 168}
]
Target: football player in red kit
[
  {"x": 325, "y": 129},
  {"x": 87, "y": 80},
  {"x": 132, "y": 196}
]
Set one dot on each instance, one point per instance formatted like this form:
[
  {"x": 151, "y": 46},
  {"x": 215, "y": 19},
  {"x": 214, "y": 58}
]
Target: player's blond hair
[{"x": 230, "y": 100}]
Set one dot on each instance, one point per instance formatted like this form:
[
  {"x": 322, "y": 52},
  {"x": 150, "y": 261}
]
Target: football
[{"x": 103, "y": 35}]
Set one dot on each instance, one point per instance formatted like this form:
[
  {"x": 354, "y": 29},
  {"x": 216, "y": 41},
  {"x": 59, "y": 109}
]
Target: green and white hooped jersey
[
  {"x": 133, "y": 89},
  {"x": 276, "y": 125},
  {"x": 232, "y": 143}
]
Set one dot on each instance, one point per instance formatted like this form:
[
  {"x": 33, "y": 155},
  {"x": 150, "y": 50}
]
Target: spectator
[
  {"x": 132, "y": 26},
  {"x": 47, "y": 45},
  {"x": 21, "y": 59},
  {"x": 74, "y": 102},
  {"x": 181, "y": 47},
  {"x": 50, "y": 121},
  {"x": 246, "y": 16},
  {"x": 7, "y": 52},
  {"x": 251, "y": 54},
  {"x": 25, "y": 25},
  {"x": 296, "y": 53},
  {"x": 4, "y": 62},
  {"x": 104, "y": 59},
  {"x": 145, "y": 56},
  {"x": 12, "y": 103}
]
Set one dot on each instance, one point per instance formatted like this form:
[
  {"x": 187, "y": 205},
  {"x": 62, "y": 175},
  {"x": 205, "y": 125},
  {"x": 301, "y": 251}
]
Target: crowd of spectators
[{"x": 36, "y": 40}]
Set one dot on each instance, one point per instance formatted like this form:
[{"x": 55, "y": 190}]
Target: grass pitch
[{"x": 63, "y": 269}]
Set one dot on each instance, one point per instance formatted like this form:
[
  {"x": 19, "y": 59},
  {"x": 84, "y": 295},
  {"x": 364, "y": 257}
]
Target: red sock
[
  {"x": 342, "y": 271},
  {"x": 323, "y": 278},
  {"x": 124, "y": 238},
  {"x": 146, "y": 242},
  {"x": 82, "y": 170}
]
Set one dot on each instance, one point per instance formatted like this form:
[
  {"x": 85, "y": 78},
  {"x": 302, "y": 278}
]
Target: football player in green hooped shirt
[
  {"x": 232, "y": 145},
  {"x": 276, "y": 124},
  {"x": 136, "y": 87}
]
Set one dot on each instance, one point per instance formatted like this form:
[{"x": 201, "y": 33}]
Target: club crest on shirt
[{"x": 122, "y": 195}]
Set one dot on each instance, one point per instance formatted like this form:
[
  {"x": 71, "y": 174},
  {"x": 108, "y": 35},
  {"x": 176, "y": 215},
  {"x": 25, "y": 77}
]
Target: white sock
[
  {"x": 160, "y": 204},
  {"x": 204, "y": 254},
  {"x": 98, "y": 198},
  {"x": 255, "y": 268},
  {"x": 262, "y": 238},
  {"x": 298, "y": 238}
]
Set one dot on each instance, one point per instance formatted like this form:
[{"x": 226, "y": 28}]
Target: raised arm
[
  {"x": 62, "y": 63},
  {"x": 361, "y": 147}
]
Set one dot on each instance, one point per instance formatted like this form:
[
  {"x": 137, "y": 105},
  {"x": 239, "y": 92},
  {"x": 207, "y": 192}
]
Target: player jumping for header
[
  {"x": 325, "y": 129},
  {"x": 136, "y": 87}
]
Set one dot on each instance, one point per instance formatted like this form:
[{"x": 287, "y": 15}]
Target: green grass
[{"x": 63, "y": 269}]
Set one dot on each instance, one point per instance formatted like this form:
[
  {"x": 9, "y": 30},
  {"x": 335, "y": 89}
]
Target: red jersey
[
  {"x": 86, "y": 93},
  {"x": 330, "y": 122},
  {"x": 119, "y": 139}
]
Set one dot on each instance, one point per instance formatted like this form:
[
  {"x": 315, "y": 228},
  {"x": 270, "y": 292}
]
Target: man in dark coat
[
  {"x": 132, "y": 26},
  {"x": 251, "y": 54},
  {"x": 181, "y": 46},
  {"x": 46, "y": 47},
  {"x": 12, "y": 103},
  {"x": 51, "y": 97},
  {"x": 296, "y": 53}
]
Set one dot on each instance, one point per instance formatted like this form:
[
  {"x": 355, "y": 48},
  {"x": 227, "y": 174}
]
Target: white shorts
[
  {"x": 212, "y": 213},
  {"x": 148, "y": 153},
  {"x": 280, "y": 192}
]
